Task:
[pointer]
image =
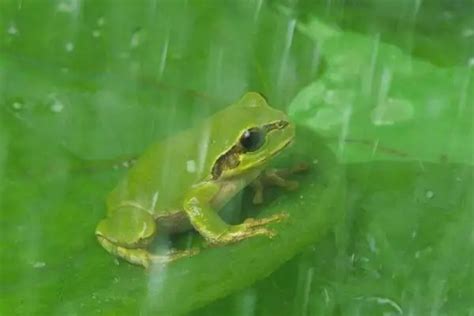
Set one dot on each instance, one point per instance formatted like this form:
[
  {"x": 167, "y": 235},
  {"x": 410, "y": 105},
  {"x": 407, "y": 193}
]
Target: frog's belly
[{"x": 177, "y": 222}]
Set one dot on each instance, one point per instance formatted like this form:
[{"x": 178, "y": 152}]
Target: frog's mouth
[{"x": 285, "y": 145}]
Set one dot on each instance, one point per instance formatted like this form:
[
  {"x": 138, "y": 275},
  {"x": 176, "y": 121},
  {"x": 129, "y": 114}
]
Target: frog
[{"x": 183, "y": 181}]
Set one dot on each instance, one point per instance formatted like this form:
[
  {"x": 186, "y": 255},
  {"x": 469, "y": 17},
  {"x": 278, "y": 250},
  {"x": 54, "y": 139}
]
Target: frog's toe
[
  {"x": 173, "y": 255},
  {"x": 292, "y": 185},
  {"x": 275, "y": 218},
  {"x": 136, "y": 256}
]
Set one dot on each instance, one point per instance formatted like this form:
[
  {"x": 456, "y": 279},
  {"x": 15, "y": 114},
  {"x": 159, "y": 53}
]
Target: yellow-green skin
[{"x": 174, "y": 185}]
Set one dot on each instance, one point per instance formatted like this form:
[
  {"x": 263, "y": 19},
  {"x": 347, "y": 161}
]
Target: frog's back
[
  {"x": 162, "y": 175},
  {"x": 167, "y": 170}
]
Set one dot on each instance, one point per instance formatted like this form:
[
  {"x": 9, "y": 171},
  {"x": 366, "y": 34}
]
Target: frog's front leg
[
  {"x": 209, "y": 224},
  {"x": 128, "y": 232},
  {"x": 276, "y": 177}
]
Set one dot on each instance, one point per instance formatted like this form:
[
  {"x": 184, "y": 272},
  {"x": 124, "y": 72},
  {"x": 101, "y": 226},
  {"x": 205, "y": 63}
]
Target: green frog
[{"x": 183, "y": 181}]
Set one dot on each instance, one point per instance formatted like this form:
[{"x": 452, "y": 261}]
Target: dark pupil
[{"x": 252, "y": 139}]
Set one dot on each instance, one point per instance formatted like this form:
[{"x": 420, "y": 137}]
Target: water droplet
[
  {"x": 429, "y": 194},
  {"x": 68, "y": 6},
  {"x": 96, "y": 33},
  {"x": 191, "y": 166},
  {"x": 39, "y": 265},
  {"x": 372, "y": 244},
  {"x": 17, "y": 105},
  {"x": 468, "y": 32},
  {"x": 101, "y": 21},
  {"x": 136, "y": 38},
  {"x": 57, "y": 106},
  {"x": 164, "y": 55},
  {"x": 257, "y": 9},
  {"x": 470, "y": 63},
  {"x": 327, "y": 117},
  {"x": 69, "y": 46},
  {"x": 12, "y": 30},
  {"x": 154, "y": 200},
  {"x": 392, "y": 111}
]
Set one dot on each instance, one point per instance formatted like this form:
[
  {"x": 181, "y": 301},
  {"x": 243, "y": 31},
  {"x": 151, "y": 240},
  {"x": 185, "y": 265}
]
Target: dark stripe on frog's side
[{"x": 231, "y": 158}]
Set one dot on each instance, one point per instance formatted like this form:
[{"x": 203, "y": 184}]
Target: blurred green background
[{"x": 383, "y": 94}]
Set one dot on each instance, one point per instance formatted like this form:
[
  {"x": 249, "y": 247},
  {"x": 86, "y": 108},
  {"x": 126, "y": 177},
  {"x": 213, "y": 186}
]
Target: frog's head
[{"x": 258, "y": 133}]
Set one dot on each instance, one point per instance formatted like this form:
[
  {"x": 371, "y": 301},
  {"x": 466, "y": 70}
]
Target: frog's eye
[{"x": 252, "y": 139}]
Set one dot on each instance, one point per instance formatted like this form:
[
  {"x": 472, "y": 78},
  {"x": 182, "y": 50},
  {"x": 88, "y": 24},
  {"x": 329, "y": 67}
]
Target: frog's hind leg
[
  {"x": 143, "y": 257},
  {"x": 127, "y": 234}
]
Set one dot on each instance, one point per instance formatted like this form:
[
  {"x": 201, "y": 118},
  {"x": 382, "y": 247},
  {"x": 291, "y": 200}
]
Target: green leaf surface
[
  {"x": 378, "y": 102},
  {"x": 405, "y": 247},
  {"x": 76, "y": 268},
  {"x": 389, "y": 86}
]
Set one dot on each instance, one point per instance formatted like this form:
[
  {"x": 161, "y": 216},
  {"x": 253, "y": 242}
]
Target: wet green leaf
[{"x": 97, "y": 80}]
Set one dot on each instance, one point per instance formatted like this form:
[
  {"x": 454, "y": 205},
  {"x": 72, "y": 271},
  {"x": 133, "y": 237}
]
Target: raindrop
[
  {"x": 68, "y": 6},
  {"x": 39, "y": 265},
  {"x": 327, "y": 117},
  {"x": 69, "y": 46},
  {"x": 154, "y": 200},
  {"x": 57, "y": 106},
  {"x": 257, "y": 9},
  {"x": 372, "y": 244},
  {"x": 191, "y": 166},
  {"x": 96, "y": 33},
  {"x": 326, "y": 296},
  {"x": 468, "y": 33},
  {"x": 286, "y": 50},
  {"x": 125, "y": 164},
  {"x": 136, "y": 38},
  {"x": 16, "y": 105},
  {"x": 164, "y": 55},
  {"x": 429, "y": 194},
  {"x": 307, "y": 290},
  {"x": 101, "y": 21},
  {"x": 391, "y": 111},
  {"x": 470, "y": 63},
  {"x": 12, "y": 30}
]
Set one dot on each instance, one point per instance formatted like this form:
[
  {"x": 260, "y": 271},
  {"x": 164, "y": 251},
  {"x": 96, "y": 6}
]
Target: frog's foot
[
  {"x": 275, "y": 218},
  {"x": 209, "y": 224},
  {"x": 249, "y": 228},
  {"x": 276, "y": 177},
  {"x": 136, "y": 256},
  {"x": 173, "y": 255},
  {"x": 143, "y": 257}
]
